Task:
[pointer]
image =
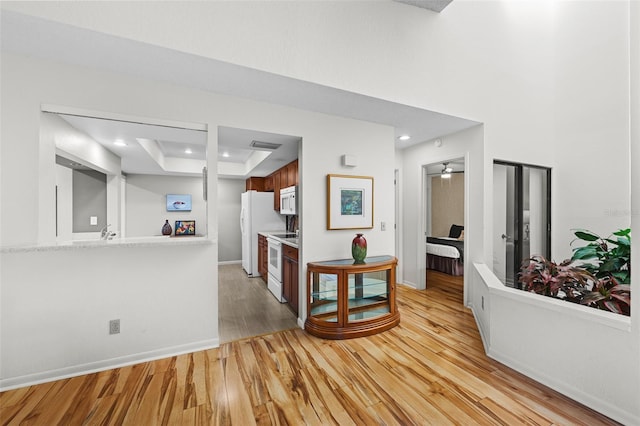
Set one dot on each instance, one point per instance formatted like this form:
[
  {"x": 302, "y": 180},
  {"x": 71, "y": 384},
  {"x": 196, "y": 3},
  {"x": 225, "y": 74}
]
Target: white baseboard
[
  {"x": 589, "y": 400},
  {"x": 107, "y": 364},
  {"x": 483, "y": 335},
  {"x": 409, "y": 284},
  {"x": 229, "y": 262}
]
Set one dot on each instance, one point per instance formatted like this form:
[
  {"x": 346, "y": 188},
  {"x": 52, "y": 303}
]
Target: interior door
[
  {"x": 504, "y": 223},
  {"x": 521, "y": 221}
]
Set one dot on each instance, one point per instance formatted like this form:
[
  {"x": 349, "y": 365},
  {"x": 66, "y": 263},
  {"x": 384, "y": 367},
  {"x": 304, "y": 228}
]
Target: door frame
[{"x": 424, "y": 206}]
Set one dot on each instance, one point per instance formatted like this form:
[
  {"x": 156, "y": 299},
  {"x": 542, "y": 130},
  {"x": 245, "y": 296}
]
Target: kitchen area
[{"x": 270, "y": 232}]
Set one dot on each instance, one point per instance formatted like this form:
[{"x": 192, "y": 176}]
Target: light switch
[{"x": 93, "y": 220}]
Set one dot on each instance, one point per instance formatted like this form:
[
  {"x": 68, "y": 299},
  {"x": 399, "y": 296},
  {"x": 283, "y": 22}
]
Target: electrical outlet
[{"x": 114, "y": 326}]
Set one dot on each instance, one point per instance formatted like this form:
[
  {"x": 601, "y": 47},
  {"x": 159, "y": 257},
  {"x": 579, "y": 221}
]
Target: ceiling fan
[{"x": 446, "y": 171}]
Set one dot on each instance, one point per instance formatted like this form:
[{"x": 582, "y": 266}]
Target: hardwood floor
[
  {"x": 431, "y": 369},
  {"x": 246, "y": 308}
]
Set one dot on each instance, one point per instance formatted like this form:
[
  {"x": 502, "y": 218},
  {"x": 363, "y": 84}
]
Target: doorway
[
  {"x": 442, "y": 242},
  {"x": 521, "y": 219},
  {"x": 252, "y": 192}
]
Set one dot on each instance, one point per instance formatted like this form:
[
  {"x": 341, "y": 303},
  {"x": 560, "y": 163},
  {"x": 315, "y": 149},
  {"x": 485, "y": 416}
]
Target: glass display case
[{"x": 348, "y": 300}]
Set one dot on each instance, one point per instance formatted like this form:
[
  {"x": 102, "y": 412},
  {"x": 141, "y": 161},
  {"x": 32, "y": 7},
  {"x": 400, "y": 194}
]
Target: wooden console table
[{"x": 349, "y": 300}]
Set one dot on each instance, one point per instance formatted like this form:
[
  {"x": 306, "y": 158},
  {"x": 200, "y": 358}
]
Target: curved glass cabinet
[{"x": 351, "y": 300}]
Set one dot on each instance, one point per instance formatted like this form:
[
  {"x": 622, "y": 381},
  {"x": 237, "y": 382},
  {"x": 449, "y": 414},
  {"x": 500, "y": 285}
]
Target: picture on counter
[
  {"x": 179, "y": 202},
  {"x": 349, "y": 202},
  {"x": 185, "y": 227}
]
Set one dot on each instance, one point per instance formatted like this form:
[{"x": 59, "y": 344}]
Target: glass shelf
[{"x": 367, "y": 315}]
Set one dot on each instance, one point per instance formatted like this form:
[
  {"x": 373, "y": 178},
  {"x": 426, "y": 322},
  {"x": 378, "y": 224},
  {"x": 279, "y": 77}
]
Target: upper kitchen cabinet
[
  {"x": 292, "y": 173},
  {"x": 255, "y": 184},
  {"x": 276, "y": 189},
  {"x": 268, "y": 183},
  {"x": 282, "y": 178}
]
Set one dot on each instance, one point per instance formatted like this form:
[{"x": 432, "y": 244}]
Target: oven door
[{"x": 275, "y": 259}]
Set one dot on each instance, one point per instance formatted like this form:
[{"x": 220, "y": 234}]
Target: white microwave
[{"x": 288, "y": 204}]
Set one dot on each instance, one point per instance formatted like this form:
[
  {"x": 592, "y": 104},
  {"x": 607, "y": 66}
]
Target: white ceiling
[
  {"x": 172, "y": 142},
  {"x": 51, "y": 40}
]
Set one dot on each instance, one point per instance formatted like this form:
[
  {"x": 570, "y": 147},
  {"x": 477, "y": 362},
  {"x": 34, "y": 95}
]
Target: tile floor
[{"x": 246, "y": 308}]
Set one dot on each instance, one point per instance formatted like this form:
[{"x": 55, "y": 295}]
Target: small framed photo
[
  {"x": 185, "y": 227},
  {"x": 349, "y": 202},
  {"x": 178, "y": 202}
]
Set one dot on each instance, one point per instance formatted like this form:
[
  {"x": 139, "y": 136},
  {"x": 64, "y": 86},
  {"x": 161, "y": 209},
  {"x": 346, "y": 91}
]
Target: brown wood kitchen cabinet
[
  {"x": 262, "y": 257},
  {"x": 276, "y": 190},
  {"x": 292, "y": 173},
  {"x": 268, "y": 183},
  {"x": 254, "y": 184},
  {"x": 290, "y": 281}
]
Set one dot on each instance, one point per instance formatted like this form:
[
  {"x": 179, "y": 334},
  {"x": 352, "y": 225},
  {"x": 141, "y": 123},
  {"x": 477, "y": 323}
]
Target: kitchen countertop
[
  {"x": 116, "y": 242},
  {"x": 292, "y": 242}
]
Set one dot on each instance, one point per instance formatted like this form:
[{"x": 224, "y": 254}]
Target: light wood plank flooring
[
  {"x": 431, "y": 369},
  {"x": 247, "y": 308}
]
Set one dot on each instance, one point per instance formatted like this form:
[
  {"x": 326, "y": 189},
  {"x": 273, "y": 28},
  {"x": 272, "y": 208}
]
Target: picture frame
[
  {"x": 185, "y": 228},
  {"x": 178, "y": 202},
  {"x": 349, "y": 202}
]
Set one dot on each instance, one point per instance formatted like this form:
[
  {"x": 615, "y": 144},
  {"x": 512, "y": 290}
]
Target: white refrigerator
[{"x": 256, "y": 215}]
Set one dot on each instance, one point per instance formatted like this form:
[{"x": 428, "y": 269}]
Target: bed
[{"x": 446, "y": 254}]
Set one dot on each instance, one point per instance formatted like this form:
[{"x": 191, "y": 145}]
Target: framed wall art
[
  {"x": 178, "y": 202},
  {"x": 349, "y": 202}
]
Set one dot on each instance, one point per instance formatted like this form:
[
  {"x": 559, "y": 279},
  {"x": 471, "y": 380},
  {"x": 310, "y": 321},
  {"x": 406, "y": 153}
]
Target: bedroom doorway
[{"x": 443, "y": 221}]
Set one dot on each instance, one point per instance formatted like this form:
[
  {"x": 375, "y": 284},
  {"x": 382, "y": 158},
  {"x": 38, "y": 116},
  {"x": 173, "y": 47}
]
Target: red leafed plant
[
  {"x": 609, "y": 295},
  {"x": 598, "y": 275},
  {"x": 564, "y": 281}
]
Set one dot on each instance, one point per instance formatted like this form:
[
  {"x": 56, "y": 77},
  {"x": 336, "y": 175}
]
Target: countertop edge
[
  {"x": 269, "y": 234},
  {"x": 96, "y": 244}
]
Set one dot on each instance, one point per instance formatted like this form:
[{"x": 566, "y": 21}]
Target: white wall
[
  {"x": 32, "y": 81},
  {"x": 56, "y": 307},
  {"x": 229, "y": 205},
  {"x": 146, "y": 205},
  {"x": 592, "y": 125},
  {"x": 64, "y": 204}
]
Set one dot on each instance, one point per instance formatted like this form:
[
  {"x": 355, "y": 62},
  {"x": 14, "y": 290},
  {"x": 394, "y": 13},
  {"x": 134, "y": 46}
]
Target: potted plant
[
  {"x": 563, "y": 281},
  {"x": 597, "y": 275},
  {"x": 608, "y": 259}
]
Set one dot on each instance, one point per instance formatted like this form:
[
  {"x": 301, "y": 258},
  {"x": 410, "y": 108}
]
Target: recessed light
[
  {"x": 120, "y": 142},
  {"x": 188, "y": 151},
  {"x": 404, "y": 137},
  {"x": 225, "y": 154}
]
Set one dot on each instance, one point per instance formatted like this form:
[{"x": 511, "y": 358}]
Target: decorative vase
[
  {"x": 359, "y": 248},
  {"x": 166, "y": 228}
]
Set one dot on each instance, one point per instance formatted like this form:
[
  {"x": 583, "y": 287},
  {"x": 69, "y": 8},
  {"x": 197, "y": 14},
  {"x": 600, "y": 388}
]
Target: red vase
[{"x": 359, "y": 248}]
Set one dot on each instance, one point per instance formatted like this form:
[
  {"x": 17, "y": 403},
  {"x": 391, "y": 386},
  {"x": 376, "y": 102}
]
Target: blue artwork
[
  {"x": 178, "y": 202},
  {"x": 351, "y": 202}
]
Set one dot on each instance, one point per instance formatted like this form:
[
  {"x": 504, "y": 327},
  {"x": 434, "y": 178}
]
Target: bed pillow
[
  {"x": 461, "y": 237},
  {"x": 455, "y": 231}
]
